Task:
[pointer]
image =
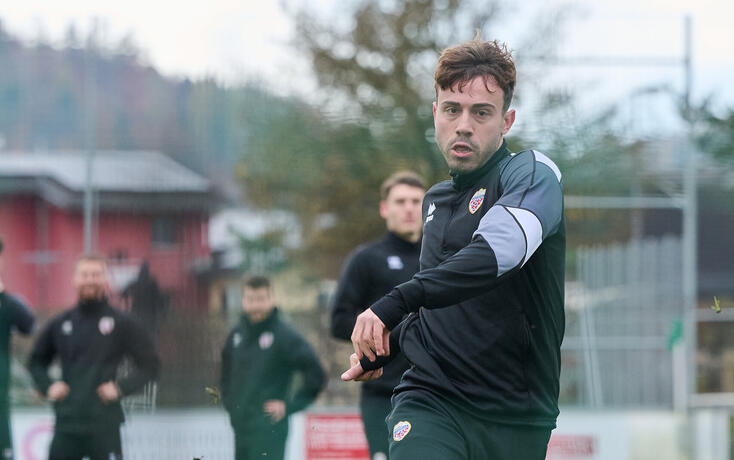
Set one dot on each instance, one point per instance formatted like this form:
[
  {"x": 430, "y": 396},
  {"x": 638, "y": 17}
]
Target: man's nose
[{"x": 464, "y": 126}]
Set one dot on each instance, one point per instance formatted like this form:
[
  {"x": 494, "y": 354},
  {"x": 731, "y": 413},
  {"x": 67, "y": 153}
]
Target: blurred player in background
[
  {"x": 261, "y": 359},
  {"x": 13, "y": 315},
  {"x": 371, "y": 271},
  {"x": 91, "y": 340},
  {"x": 486, "y": 310}
]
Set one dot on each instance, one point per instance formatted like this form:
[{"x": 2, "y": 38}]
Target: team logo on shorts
[
  {"x": 106, "y": 324},
  {"x": 265, "y": 340},
  {"x": 401, "y": 430},
  {"x": 477, "y": 200}
]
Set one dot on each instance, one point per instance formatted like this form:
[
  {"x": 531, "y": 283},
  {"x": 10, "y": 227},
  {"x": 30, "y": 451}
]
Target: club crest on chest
[
  {"x": 476, "y": 201},
  {"x": 265, "y": 340},
  {"x": 106, "y": 324}
]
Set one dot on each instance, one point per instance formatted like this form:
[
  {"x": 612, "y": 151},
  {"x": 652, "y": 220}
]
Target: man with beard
[
  {"x": 13, "y": 315},
  {"x": 486, "y": 317},
  {"x": 91, "y": 340},
  {"x": 269, "y": 372},
  {"x": 372, "y": 271}
]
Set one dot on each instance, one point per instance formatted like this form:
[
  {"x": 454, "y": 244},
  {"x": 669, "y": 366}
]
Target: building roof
[
  {"x": 136, "y": 180},
  {"x": 119, "y": 171}
]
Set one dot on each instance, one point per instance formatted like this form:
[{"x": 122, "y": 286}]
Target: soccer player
[
  {"x": 372, "y": 271},
  {"x": 486, "y": 310},
  {"x": 91, "y": 340},
  {"x": 13, "y": 315},
  {"x": 261, "y": 360}
]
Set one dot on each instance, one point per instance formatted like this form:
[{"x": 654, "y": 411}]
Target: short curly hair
[{"x": 477, "y": 58}]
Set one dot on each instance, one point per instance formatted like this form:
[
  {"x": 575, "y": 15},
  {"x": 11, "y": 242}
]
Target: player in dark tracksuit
[
  {"x": 261, "y": 359},
  {"x": 91, "y": 340},
  {"x": 371, "y": 271},
  {"x": 13, "y": 315},
  {"x": 486, "y": 316}
]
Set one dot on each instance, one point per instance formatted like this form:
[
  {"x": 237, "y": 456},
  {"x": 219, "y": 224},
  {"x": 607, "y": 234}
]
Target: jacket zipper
[{"x": 444, "y": 248}]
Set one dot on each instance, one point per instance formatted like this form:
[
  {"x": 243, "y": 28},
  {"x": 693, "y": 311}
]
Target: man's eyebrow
[{"x": 479, "y": 105}]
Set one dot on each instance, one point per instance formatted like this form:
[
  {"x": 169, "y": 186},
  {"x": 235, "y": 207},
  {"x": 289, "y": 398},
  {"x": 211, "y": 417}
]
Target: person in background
[
  {"x": 261, "y": 360},
  {"x": 91, "y": 340},
  {"x": 14, "y": 315},
  {"x": 371, "y": 271}
]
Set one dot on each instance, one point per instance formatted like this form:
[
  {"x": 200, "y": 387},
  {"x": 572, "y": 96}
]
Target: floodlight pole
[{"x": 90, "y": 125}]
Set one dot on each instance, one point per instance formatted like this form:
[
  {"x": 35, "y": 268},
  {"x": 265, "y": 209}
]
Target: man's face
[
  {"x": 257, "y": 303},
  {"x": 402, "y": 210},
  {"x": 470, "y": 124},
  {"x": 90, "y": 280}
]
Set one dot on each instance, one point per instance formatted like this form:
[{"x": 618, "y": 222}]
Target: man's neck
[{"x": 411, "y": 237}]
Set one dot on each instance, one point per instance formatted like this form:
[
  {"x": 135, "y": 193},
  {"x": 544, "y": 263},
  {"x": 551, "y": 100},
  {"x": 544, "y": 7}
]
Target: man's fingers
[
  {"x": 386, "y": 342},
  {"x": 353, "y": 372},
  {"x": 367, "y": 350},
  {"x": 377, "y": 330},
  {"x": 356, "y": 336}
]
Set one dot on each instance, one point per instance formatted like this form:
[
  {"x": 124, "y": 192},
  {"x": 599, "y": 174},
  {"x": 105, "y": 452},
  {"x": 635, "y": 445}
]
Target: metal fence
[{"x": 623, "y": 313}]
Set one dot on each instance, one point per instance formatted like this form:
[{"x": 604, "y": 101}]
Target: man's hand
[
  {"x": 275, "y": 408},
  {"x": 370, "y": 336},
  {"x": 356, "y": 373},
  {"x": 58, "y": 391},
  {"x": 108, "y": 392}
]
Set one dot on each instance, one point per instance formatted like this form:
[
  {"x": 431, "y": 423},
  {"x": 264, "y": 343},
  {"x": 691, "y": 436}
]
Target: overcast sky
[{"x": 238, "y": 39}]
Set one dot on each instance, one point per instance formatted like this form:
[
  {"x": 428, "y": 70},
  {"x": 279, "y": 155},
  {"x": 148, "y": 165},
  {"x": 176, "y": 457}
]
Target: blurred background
[{"x": 208, "y": 141}]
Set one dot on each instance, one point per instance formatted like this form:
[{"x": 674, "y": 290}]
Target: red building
[{"x": 146, "y": 206}]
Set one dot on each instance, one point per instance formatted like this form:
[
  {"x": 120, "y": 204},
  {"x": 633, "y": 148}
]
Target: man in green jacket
[{"x": 260, "y": 360}]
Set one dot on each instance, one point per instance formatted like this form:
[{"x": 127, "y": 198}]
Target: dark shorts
[
  {"x": 6, "y": 440},
  {"x": 422, "y": 429},
  {"x": 100, "y": 445},
  {"x": 374, "y": 409},
  {"x": 266, "y": 441}
]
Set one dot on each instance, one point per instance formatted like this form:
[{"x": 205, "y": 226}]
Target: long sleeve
[
  {"x": 529, "y": 210},
  {"x": 303, "y": 359},
  {"x": 140, "y": 348},
  {"x": 18, "y": 313},
  {"x": 350, "y": 297},
  {"x": 224, "y": 378},
  {"x": 43, "y": 353}
]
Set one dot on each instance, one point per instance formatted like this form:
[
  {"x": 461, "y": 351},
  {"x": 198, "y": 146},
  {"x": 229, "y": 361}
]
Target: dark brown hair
[
  {"x": 255, "y": 282},
  {"x": 401, "y": 177},
  {"x": 461, "y": 64}
]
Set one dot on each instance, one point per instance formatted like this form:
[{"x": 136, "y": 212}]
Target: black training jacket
[
  {"x": 488, "y": 320},
  {"x": 13, "y": 315},
  {"x": 371, "y": 271},
  {"x": 260, "y": 362},
  {"x": 91, "y": 341}
]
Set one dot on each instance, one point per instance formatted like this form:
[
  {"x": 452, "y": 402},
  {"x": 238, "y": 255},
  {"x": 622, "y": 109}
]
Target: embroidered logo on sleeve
[
  {"x": 395, "y": 262},
  {"x": 236, "y": 339},
  {"x": 66, "y": 327},
  {"x": 106, "y": 324},
  {"x": 476, "y": 201},
  {"x": 401, "y": 430}
]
